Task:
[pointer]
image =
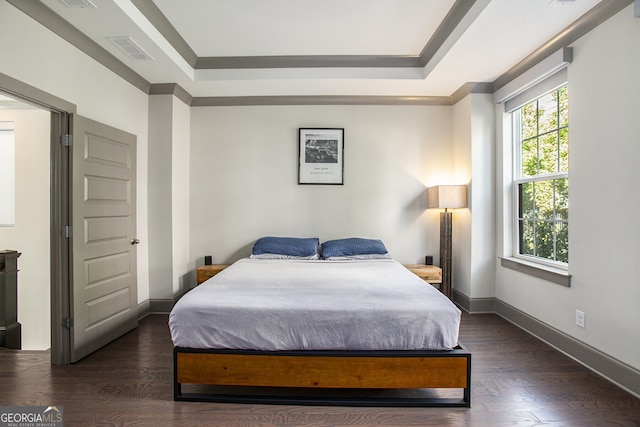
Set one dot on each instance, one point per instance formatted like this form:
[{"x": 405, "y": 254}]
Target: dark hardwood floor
[{"x": 516, "y": 381}]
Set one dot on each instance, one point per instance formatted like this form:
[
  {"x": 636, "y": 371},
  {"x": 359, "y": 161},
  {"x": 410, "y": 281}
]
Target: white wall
[
  {"x": 482, "y": 196},
  {"x": 462, "y": 220},
  {"x": 160, "y": 197},
  {"x": 603, "y": 230},
  {"x": 31, "y": 235},
  {"x": 43, "y": 60},
  {"x": 170, "y": 262},
  {"x": 244, "y": 166},
  {"x": 473, "y": 270},
  {"x": 181, "y": 167}
]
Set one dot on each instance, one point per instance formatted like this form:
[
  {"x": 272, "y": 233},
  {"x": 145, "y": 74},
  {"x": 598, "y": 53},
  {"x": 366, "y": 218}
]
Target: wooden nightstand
[
  {"x": 429, "y": 273},
  {"x": 206, "y": 271}
]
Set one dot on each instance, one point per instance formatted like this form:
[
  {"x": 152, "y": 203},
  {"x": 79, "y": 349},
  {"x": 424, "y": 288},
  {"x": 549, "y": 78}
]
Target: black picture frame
[{"x": 321, "y": 156}]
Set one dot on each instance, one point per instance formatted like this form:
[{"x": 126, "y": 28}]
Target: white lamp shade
[{"x": 447, "y": 197}]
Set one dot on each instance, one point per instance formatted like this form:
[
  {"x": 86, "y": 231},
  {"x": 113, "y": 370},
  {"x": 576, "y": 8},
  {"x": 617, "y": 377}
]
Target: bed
[{"x": 343, "y": 325}]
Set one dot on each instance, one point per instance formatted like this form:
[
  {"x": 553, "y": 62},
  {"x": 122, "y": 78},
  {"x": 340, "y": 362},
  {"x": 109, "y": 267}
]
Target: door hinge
[
  {"x": 66, "y": 232},
  {"x": 67, "y": 323},
  {"x": 67, "y": 140}
]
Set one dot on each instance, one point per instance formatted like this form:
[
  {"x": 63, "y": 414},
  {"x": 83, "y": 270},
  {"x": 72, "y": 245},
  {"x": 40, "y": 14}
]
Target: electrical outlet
[{"x": 580, "y": 318}]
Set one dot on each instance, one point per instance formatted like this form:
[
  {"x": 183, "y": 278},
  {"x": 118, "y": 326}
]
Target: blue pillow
[
  {"x": 286, "y": 247},
  {"x": 353, "y": 247}
]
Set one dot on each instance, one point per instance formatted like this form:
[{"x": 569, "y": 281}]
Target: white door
[{"x": 104, "y": 300}]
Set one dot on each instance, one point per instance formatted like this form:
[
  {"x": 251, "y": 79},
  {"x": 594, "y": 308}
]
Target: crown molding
[
  {"x": 587, "y": 22},
  {"x": 306, "y": 61},
  {"x": 469, "y": 88},
  {"x": 149, "y": 9},
  {"x": 171, "y": 89},
  {"x": 236, "y": 101}
]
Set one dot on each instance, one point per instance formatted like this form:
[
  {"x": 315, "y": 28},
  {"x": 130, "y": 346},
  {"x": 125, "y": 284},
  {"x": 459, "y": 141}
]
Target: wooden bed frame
[{"x": 301, "y": 374}]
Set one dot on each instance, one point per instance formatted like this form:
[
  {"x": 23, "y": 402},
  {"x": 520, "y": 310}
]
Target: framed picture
[{"x": 321, "y": 156}]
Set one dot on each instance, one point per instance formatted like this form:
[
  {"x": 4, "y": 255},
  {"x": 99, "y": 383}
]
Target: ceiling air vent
[
  {"x": 130, "y": 47},
  {"x": 78, "y": 3}
]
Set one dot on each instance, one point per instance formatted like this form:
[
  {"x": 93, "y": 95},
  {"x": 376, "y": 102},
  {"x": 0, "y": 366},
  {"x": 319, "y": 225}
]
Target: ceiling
[{"x": 248, "y": 48}]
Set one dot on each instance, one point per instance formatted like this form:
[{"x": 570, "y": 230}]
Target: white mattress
[{"x": 271, "y": 305}]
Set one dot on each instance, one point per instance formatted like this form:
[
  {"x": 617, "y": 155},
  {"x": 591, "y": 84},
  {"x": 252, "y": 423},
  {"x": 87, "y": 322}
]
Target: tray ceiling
[{"x": 227, "y": 48}]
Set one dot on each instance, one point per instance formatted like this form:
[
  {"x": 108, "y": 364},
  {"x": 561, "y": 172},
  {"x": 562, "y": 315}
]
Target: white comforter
[{"x": 258, "y": 304}]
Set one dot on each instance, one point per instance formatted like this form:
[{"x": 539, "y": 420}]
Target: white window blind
[{"x": 545, "y": 86}]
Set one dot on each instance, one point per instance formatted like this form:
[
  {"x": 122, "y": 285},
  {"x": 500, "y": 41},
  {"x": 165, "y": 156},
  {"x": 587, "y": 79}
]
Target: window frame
[{"x": 515, "y": 121}]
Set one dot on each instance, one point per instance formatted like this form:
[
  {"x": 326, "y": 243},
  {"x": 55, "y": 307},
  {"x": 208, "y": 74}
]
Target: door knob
[{"x": 135, "y": 241}]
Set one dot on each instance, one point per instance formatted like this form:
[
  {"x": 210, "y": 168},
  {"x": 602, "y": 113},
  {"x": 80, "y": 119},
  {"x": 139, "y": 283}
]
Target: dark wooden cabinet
[{"x": 10, "y": 329}]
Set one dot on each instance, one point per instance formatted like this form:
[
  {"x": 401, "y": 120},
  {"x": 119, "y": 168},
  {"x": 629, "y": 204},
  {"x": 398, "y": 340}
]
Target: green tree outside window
[{"x": 542, "y": 130}]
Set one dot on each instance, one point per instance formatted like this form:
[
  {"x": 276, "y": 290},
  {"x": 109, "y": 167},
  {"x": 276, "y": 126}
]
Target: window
[
  {"x": 7, "y": 175},
  {"x": 541, "y": 144}
]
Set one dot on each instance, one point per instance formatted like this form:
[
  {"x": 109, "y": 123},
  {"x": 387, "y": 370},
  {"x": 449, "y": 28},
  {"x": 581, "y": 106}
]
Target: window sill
[{"x": 550, "y": 274}]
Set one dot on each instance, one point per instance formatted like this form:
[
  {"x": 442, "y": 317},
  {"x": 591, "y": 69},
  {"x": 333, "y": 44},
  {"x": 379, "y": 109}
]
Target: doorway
[
  {"x": 65, "y": 278},
  {"x": 26, "y": 228}
]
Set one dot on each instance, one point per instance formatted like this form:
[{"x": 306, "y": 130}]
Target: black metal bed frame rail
[{"x": 459, "y": 351}]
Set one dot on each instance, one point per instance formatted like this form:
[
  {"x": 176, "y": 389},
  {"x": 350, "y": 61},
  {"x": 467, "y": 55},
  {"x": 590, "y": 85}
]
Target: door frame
[
  {"x": 60, "y": 215},
  {"x": 61, "y": 244}
]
